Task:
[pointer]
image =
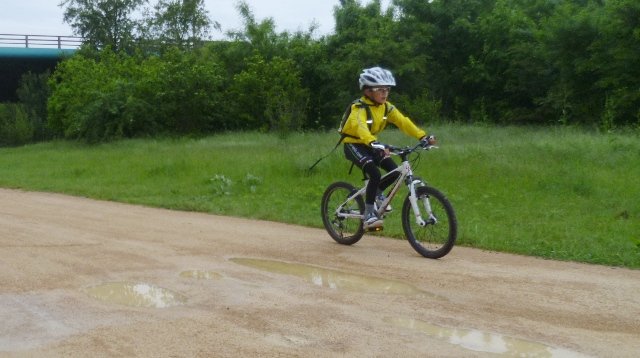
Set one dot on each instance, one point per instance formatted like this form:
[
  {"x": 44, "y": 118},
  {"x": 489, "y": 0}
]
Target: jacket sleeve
[{"x": 405, "y": 124}]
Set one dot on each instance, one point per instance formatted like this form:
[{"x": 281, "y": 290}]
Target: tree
[
  {"x": 33, "y": 94},
  {"x": 566, "y": 40},
  {"x": 103, "y": 23},
  {"x": 268, "y": 96},
  {"x": 261, "y": 36},
  {"x": 616, "y": 60},
  {"x": 271, "y": 74},
  {"x": 446, "y": 39},
  {"x": 363, "y": 38},
  {"x": 509, "y": 72},
  {"x": 181, "y": 23}
]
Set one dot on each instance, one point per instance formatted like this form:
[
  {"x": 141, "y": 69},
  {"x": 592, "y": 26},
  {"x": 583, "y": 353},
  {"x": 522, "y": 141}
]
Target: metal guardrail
[{"x": 40, "y": 41}]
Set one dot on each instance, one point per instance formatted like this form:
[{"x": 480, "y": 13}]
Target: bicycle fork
[
  {"x": 413, "y": 199},
  {"x": 412, "y": 183}
]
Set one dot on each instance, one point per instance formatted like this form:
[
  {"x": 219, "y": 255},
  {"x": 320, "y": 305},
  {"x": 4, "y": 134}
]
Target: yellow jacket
[{"x": 357, "y": 130}]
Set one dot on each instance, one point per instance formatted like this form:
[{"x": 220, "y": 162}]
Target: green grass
[{"x": 558, "y": 193}]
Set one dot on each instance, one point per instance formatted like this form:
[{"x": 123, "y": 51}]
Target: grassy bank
[{"x": 558, "y": 193}]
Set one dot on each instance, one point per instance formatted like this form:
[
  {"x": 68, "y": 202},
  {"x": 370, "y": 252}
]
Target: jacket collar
[{"x": 368, "y": 101}]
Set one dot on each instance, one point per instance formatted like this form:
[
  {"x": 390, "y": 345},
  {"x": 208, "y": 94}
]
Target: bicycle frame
[{"x": 406, "y": 176}]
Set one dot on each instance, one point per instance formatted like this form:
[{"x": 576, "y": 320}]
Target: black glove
[{"x": 428, "y": 141}]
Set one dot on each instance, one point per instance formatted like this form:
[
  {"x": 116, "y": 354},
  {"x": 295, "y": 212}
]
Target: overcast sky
[{"x": 44, "y": 17}]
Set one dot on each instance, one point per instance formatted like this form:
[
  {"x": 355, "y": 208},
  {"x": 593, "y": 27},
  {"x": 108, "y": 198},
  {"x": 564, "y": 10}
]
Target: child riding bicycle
[{"x": 368, "y": 118}]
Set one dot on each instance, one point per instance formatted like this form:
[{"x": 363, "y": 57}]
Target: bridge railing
[{"x": 39, "y": 41}]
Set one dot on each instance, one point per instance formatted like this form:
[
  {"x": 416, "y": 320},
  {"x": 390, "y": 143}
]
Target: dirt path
[{"x": 313, "y": 298}]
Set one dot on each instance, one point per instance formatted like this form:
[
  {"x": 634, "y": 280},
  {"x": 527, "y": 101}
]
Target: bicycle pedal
[{"x": 374, "y": 229}]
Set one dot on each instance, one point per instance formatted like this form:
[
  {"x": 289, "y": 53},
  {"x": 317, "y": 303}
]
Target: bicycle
[{"x": 428, "y": 219}]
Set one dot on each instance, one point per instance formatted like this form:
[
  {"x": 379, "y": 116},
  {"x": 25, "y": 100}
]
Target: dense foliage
[{"x": 490, "y": 61}]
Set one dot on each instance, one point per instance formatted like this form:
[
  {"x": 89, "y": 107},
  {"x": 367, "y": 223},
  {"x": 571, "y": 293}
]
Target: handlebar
[
  {"x": 403, "y": 152},
  {"x": 409, "y": 149}
]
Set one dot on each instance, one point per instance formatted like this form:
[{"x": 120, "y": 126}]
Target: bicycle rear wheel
[
  {"x": 437, "y": 237},
  {"x": 342, "y": 217}
]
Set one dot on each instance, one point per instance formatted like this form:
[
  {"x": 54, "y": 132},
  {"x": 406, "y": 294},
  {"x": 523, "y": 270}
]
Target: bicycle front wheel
[
  {"x": 437, "y": 237},
  {"x": 342, "y": 218}
]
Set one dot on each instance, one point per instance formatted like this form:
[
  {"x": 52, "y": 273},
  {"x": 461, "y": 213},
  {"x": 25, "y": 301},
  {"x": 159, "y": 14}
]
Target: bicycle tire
[
  {"x": 345, "y": 231},
  {"x": 436, "y": 239}
]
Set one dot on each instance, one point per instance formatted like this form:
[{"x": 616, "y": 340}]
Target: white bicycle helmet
[{"x": 375, "y": 77}]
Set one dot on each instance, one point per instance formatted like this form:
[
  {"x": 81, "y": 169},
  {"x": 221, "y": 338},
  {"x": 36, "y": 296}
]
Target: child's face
[{"x": 378, "y": 94}]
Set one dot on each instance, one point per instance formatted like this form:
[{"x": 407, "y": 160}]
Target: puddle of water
[
  {"x": 135, "y": 294},
  {"x": 201, "y": 275},
  {"x": 486, "y": 342},
  {"x": 331, "y": 278}
]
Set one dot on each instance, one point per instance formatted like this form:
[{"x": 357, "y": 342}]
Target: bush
[
  {"x": 25, "y": 122},
  {"x": 33, "y": 93},
  {"x": 122, "y": 96},
  {"x": 186, "y": 90},
  {"x": 268, "y": 96},
  {"x": 15, "y": 126}
]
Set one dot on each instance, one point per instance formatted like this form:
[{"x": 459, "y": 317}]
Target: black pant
[{"x": 369, "y": 159}]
